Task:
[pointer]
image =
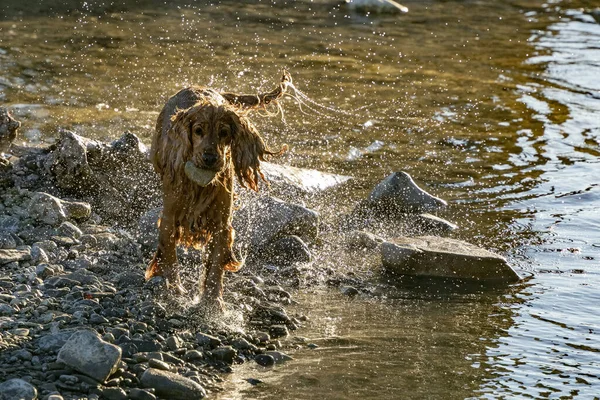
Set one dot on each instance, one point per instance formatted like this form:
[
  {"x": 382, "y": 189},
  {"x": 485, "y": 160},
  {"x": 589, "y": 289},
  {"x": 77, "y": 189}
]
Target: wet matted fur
[{"x": 213, "y": 131}]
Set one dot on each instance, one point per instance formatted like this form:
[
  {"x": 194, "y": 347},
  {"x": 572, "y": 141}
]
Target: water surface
[{"x": 492, "y": 105}]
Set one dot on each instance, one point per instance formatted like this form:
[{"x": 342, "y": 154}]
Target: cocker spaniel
[{"x": 202, "y": 139}]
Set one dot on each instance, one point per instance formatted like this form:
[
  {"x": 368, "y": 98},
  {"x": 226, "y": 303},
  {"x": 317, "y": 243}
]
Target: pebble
[{"x": 87, "y": 353}]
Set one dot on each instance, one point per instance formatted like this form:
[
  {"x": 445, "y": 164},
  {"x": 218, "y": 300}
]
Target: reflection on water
[{"x": 494, "y": 105}]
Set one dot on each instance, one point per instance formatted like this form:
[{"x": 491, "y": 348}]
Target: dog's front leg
[
  {"x": 220, "y": 258},
  {"x": 165, "y": 262}
]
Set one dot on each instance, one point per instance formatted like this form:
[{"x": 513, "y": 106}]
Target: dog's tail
[{"x": 248, "y": 101}]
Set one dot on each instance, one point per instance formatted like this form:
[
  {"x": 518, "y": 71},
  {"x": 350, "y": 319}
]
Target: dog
[{"x": 202, "y": 139}]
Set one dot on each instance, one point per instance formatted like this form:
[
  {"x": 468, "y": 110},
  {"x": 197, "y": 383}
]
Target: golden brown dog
[{"x": 202, "y": 138}]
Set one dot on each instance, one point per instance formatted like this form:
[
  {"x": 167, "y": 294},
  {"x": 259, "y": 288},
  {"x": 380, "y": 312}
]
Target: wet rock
[
  {"x": 427, "y": 224},
  {"x": 267, "y": 219},
  {"x": 376, "y": 6},
  {"x": 204, "y": 339},
  {"x": 112, "y": 393},
  {"x": 9, "y": 256},
  {"x": 363, "y": 240},
  {"x": 278, "y": 356},
  {"x": 7, "y": 241},
  {"x": 53, "y": 342},
  {"x": 286, "y": 251},
  {"x": 112, "y": 177},
  {"x": 77, "y": 210},
  {"x": 396, "y": 195},
  {"x": 69, "y": 161},
  {"x": 224, "y": 353},
  {"x": 6, "y": 310},
  {"x": 194, "y": 355},
  {"x": 38, "y": 256},
  {"x": 172, "y": 386},
  {"x": 10, "y": 224},
  {"x": 159, "y": 364},
  {"x": 70, "y": 230},
  {"x": 264, "y": 360},
  {"x": 286, "y": 180},
  {"x": 87, "y": 353},
  {"x": 8, "y": 129},
  {"x": 47, "y": 209},
  {"x": 173, "y": 343},
  {"x": 443, "y": 257},
  {"x": 349, "y": 291},
  {"x": 243, "y": 344},
  {"x": 140, "y": 394},
  {"x": 277, "y": 331},
  {"x": 14, "y": 389}
]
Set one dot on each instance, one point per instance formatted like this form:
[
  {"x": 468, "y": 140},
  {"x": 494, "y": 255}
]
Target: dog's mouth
[{"x": 200, "y": 176}]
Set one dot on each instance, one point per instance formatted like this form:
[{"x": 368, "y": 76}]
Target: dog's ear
[
  {"x": 247, "y": 151},
  {"x": 174, "y": 148}
]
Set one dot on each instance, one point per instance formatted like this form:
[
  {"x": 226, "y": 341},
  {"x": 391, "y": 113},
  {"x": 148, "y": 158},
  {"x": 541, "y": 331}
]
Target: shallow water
[{"x": 492, "y": 105}]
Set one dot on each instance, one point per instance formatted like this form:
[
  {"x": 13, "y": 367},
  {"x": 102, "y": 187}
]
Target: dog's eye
[
  {"x": 224, "y": 132},
  {"x": 198, "y": 131}
]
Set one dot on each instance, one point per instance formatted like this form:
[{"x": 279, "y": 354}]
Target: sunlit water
[{"x": 492, "y": 105}]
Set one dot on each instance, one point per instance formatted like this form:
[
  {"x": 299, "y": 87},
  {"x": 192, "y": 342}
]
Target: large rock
[
  {"x": 431, "y": 256},
  {"x": 87, "y": 353},
  {"x": 172, "y": 386},
  {"x": 398, "y": 193},
  {"x": 115, "y": 178},
  {"x": 8, "y": 129},
  {"x": 17, "y": 389},
  {"x": 293, "y": 181},
  {"x": 267, "y": 219},
  {"x": 8, "y": 256}
]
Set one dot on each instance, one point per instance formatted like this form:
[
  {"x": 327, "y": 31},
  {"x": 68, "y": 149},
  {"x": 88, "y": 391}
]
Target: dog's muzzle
[{"x": 201, "y": 177}]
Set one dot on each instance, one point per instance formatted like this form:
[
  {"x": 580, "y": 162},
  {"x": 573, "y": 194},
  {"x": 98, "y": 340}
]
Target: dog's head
[{"x": 212, "y": 134}]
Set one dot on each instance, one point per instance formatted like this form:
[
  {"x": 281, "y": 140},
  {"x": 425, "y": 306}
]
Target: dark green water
[{"x": 492, "y": 105}]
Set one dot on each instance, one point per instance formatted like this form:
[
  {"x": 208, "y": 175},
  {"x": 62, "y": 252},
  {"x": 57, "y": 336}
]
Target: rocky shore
[{"x": 78, "y": 226}]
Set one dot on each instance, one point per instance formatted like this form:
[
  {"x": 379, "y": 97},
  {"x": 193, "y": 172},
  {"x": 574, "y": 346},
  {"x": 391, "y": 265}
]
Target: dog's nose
[{"x": 209, "y": 159}]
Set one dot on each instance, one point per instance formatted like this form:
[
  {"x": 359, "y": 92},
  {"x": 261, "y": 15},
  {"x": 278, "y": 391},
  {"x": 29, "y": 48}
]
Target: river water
[{"x": 492, "y": 105}]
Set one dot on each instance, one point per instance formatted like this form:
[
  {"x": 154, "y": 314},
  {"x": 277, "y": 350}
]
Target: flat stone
[
  {"x": 171, "y": 386},
  {"x": 11, "y": 255},
  {"x": 87, "y": 353},
  {"x": 433, "y": 256},
  {"x": 14, "y": 389}
]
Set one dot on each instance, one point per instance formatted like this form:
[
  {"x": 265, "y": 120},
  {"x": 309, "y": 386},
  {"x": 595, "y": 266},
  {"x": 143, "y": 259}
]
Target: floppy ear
[
  {"x": 247, "y": 151},
  {"x": 174, "y": 148}
]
